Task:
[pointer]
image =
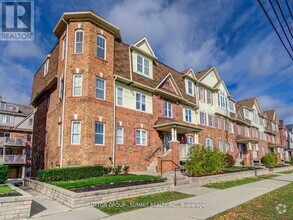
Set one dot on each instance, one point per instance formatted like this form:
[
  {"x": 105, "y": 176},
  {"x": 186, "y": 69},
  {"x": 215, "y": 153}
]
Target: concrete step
[{"x": 182, "y": 182}]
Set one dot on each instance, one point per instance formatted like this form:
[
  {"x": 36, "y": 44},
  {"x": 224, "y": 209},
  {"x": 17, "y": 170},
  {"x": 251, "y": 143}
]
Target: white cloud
[{"x": 18, "y": 50}]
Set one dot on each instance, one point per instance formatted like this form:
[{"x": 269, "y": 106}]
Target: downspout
[
  {"x": 114, "y": 122},
  {"x": 64, "y": 96}
]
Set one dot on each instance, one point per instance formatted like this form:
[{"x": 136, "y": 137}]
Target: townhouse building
[
  {"x": 16, "y": 124},
  {"x": 100, "y": 101},
  {"x": 289, "y": 129}
]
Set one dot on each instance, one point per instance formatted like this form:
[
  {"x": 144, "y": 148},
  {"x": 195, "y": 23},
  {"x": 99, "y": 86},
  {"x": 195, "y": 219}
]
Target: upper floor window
[
  {"x": 100, "y": 88},
  {"x": 5, "y": 119},
  {"x": 222, "y": 100},
  {"x": 273, "y": 126},
  {"x": 239, "y": 128},
  {"x": 46, "y": 67},
  {"x": 219, "y": 122},
  {"x": 101, "y": 47},
  {"x": 231, "y": 106},
  {"x": 140, "y": 102},
  {"x": 209, "y": 143},
  {"x": 141, "y": 137},
  {"x": 61, "y": 88},
  {"x": 265, "y": 122},
  {"x": 211, "y": 120},
  {"x": 77, "y": 85},
  {"x": 59, "y": 134},
  {"x": 30, "y": 122},
  {"x": 188, "y": 117},
  {"x": 119, "y": 96},
  {"x": 209, "y": 97},
  {"x": 255, "y": 117},
  {"x": 246, "y": 131},
  {"x": 75, "y": 132},
  {"x": 225, "y": 124},
  {"x": 63, "y": 48},
  {"x": 246, "y": 113},
  {"x": 168, "y": 109},
  {"x": 231, "y": 127},
  {"x": 78, "y": 41},
  {"x": 202, "y": 94},
  {"x": 143, "y": 65},
  {"x": 220, "y": 145},
  {"x": 202, "y": 118},
  {"x": 120, "y": 134},
  {"x": 189, "y": 87},
  {"x": 99, "y": 133}
]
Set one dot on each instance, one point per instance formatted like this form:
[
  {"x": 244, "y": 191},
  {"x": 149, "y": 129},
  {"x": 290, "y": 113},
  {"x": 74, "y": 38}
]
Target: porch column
[
  {"x": 23, "y": 172},
  {"x": 195, "y": 138},
  {"x": 174, "y": 134}
]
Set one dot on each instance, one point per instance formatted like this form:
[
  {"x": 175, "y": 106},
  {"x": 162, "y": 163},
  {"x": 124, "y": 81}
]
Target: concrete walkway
[
  {"x": 209, "y": 202},
  {"x": 45, "y": 208}
]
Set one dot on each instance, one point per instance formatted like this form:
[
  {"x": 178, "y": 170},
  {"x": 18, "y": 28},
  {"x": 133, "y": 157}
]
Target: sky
[{"x": 234, "y": 36}]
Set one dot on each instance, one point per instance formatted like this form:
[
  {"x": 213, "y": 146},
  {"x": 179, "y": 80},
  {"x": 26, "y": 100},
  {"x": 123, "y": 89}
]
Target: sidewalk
[{"x": 215, "y": 201}]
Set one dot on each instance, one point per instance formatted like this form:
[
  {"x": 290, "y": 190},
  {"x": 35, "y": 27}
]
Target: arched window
[
  {"x": 79, "y": 36},
  {"x": 101, "y": 47},
  {"x": 209, "y": 143}
]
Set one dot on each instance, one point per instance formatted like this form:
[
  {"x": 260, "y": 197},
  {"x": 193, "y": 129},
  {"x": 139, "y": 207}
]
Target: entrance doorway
[{"x": 166, "y": 139}]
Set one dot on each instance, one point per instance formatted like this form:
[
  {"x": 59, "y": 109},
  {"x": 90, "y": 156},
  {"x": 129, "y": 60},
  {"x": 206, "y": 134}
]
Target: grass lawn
[
  {"x": 229, "y": 184},
  {"x": 239, "y": 168},
  {"x": 286, "y": 172},
  {"x": 282, "y": 165},
  {"x": 4, "y": 189},
  {"x": 102, "y": 180},
  {"x": 263, "y": 207},
  {"x": 126, "y": 205}
]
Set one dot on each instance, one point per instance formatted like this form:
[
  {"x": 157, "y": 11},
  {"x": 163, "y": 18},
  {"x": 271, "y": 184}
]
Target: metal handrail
[
  {"x": 152, "y": 154},
  {"x": 175, "y": 169}
]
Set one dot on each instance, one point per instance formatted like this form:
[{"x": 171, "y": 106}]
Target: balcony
[
  {"x": 8, "y": 107},
  {"x": 183, "y": 151},
  {"x": 8, "y": 141},
  {"x": 12, "y": 159}
]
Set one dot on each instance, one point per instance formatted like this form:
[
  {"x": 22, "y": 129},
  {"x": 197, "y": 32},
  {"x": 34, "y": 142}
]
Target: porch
[
  {"x": 13, "y": 141},
  {"x": 248, "y": 152}
]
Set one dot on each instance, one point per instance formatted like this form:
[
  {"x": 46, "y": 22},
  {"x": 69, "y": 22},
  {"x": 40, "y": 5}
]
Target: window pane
[
  {"x": 139, "y": 63},
  {"x": 138, "y": 137},
  {"x": 101, "y": 47},
  {"x": 146, "y": 66}
]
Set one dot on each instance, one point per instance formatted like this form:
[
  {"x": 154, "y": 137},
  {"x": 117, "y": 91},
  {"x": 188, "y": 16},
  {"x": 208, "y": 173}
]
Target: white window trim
[
  {"x": 64, "y": 48},
  {"x": 59, "y": 134},
  {"x": 208, "y": 120},
  {"x": 104, "y": 133},
  {"x": 211, "y": 101},
  {"x": 168, "y": 110},
  {"x": 150, "y": 75},
  {"x": 140, "y": 106},
  {"x": 205, "y": 118},
  {"x": 6, "y": 117},
  {"x": 121, "y": 136},
  {"x": 82, "y": 43},
  {"x": 105, "y": 49},
  {"x": 186, "y": 85},
  {"x": 119, "y": 87},
  {"x": 140, "y": 137},
  {"x": 211, "y": 141},
  {"x": 185, "y": 115},
  {"x": 73, "y": 86},
  {"x": 104, "y": 98},
  {"x": 219, "y": 120},
  {"x": 231, "y": 125},
  {"x": 71, "y": 141},
  {"x": 46, "y": 67}
]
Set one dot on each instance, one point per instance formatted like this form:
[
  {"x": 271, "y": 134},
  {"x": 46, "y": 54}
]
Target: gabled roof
[
  {"x": 202, "y": 73},
  {"x": 144, "y": 42},
  {"x": 189, "y": 72},
  {"x": 270, "y": 114},
  {"x": 173, "y": 87},
  {"x": 249, "y": 103}
]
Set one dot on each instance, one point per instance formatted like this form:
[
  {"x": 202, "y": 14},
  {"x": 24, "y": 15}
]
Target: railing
[
  {"x": 12, "y": 159},
  {"x": 13, "y": 141},
  {"x": 152, "y": 154},
  {"x": 175, "y": 169},
  {"x": 183, "y": 151}
]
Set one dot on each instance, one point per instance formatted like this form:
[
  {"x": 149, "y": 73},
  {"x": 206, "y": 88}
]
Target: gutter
[
  {"x": 114, "y": 122},
  {"x": 64, "y": 97}
]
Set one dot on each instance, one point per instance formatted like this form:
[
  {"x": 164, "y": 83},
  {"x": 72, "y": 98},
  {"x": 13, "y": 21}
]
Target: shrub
[
  {"x": 126, "y": 169},
  {"x": 291, "y": 160},
  {"x": 107, "y": 170},
  {"x": 117, "y": 170},
  {"x": 202, "y": 161},
  {"x": 270, "y": 160},
  {"x": 229, "y": 160},
  {"x": 70, "y": 173},
  {"x": 3, "y": 173}
]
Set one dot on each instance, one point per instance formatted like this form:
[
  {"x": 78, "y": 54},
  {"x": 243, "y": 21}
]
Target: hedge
[
  {"x": 70, "y": 173},
  {"x": 3, "y": 173}
]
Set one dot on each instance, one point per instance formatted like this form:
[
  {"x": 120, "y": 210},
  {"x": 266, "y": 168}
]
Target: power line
[
  {"x": 281, "y": 24},
  {"x": 264, "y": 10},
  {"x": 280, "y": 8},
  {"x": 289, "y": 9}
]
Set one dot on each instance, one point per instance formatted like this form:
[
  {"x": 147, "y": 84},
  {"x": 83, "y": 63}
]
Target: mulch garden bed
[
  {"x": 115, "y": 185},
  {"x": 10, "y": 194}
]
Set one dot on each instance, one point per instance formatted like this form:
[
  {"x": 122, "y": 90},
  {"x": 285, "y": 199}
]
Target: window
[
  {"x": 5, "y": 119},
  {"x": 61, "y": 88},
  {"x": 225, "y": 124},
  {"x": 246, "y": 129},
  {"x": 222, "y": 100},
  {"x": 189, "y": 140},
  {"x": 189, "y": 87},
  {"x": 59, "y": 134},
  {"x": 168, "y": 109},
  {"x": 219, "y": 122},
  {"x": 253, "y": 132},
  {"x": 273, "y": 126},
  {"x": 140, "y": 102},
  {"x": 231, "y": 147},
  {"x": 255, "y": 117},
  {"x": 246, "y": 113},
  {"x": 202, "y": 118},
  {"x": 231, "y": 106},
  {"x": 63, "y": 48},
  {"x": 100, "y": 88},
  {"x": 99, "y": 133},
  {"x": 119, "y": 96},
  {"x": 265, "y": 122},
  {"x": 263, "y": 150},
  {"x": 143, "y": 65},
  {"x": 220, "y": 145},
  {"x": 231, "y": 127},
  {"x": 188, "y": 115},
  {"x": 77, "y": 85},
  {"x": 101, "y": 47},
  {"x": 78, "y": 41},
  {"x": 273, "y": 139},
  {"x": 209, "y": 143},
  {"x": 119, "y": 138},
  {"x": 75, "y": 132},
  {"x": 226, "y": 147},
  {"x": 202, "y": 94},
  {"x": 30, "y": 122},
  {"x": 209, "y": 97},
  {"x": 211, "y": 120},
  {"x": 141, "y": 137},
  {"x": 239, "y": 128},
  {"x": 46, "y": 67}
]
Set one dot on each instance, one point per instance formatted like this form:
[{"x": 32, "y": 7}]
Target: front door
[
  {"x": 166, "y": 139},
  {"x": 240, "y": 151}
]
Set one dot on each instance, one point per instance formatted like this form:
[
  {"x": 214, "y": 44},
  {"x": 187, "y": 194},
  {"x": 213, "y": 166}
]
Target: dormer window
[
  {"x": 46, "y": 67},
  {"x": 222, "y": 100},
  {"x": 231, "y": 106},
  {"x": 189, "y": 87},
  {"x": 246, "y": 114},
  {"x": 143, "y": 65}
]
